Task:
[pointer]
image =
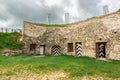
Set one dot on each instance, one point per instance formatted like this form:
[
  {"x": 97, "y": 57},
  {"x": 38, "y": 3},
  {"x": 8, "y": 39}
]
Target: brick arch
[{"x": 56, "y": 50}]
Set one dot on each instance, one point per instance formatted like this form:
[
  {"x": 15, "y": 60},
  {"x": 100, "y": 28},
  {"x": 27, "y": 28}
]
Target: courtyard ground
[{"x": 24, "y": 67}]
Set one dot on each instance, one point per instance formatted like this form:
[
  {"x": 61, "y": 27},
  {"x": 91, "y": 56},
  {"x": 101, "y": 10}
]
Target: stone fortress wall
[{"x": 90, "y": 34}]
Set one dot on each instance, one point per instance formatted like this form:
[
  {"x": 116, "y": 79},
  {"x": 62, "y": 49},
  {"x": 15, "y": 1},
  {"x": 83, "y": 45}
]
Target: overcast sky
[{"x": 14, "y": 12}]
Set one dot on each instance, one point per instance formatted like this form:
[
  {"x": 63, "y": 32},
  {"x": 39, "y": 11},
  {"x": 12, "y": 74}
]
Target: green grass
[
  {"x": 75, "y": 66},
  {"x": 10, "y": 41},
  {"x": 118, "y": 10},
  {"x": 55, "y": 25}
]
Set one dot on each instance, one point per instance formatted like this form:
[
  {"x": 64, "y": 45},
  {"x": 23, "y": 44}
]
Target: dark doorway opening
[
  {"x": 33, "y": 48},
  {"x": 101, "y": 50},
  {"x": 70, "y": 47}
]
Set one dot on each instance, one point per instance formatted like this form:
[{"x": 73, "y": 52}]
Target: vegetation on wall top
[
  {"x": 118, "y": 10},
  {"x": 66, "y": 25},
  {"x": 51, "y": 25}
]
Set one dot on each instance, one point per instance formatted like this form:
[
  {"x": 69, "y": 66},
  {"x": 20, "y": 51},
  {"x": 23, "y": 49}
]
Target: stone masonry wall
[{"x": 102, "y": 29}]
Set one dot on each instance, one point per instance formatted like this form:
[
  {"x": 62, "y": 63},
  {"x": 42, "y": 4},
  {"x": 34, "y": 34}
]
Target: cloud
[
  {"x": 89, "y": 8},
  {"x": 29, "y": 10},
  {"x": 112, "y": 4},
  {"x": 14, "y": 12}
]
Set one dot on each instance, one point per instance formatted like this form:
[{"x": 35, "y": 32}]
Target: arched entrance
[{"x": 56, "y": 50}]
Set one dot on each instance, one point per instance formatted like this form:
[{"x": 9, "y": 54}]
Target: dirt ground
[{"x": 60, "y": 75}]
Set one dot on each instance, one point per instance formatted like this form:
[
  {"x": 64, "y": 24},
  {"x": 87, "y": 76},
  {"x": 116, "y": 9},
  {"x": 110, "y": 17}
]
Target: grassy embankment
[{"x": 10, "y": 41}]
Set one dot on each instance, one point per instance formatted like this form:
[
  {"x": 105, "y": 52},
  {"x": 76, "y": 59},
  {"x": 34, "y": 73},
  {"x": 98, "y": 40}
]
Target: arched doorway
[{"x": 56, "y": 50}]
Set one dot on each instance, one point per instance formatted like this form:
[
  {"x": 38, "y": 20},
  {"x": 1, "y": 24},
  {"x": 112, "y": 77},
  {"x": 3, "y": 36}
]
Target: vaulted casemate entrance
[
  {"x": 56, "y": 50},
  {"x": 78, "y": 47},
  {"x": 101, "y": 50}
]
